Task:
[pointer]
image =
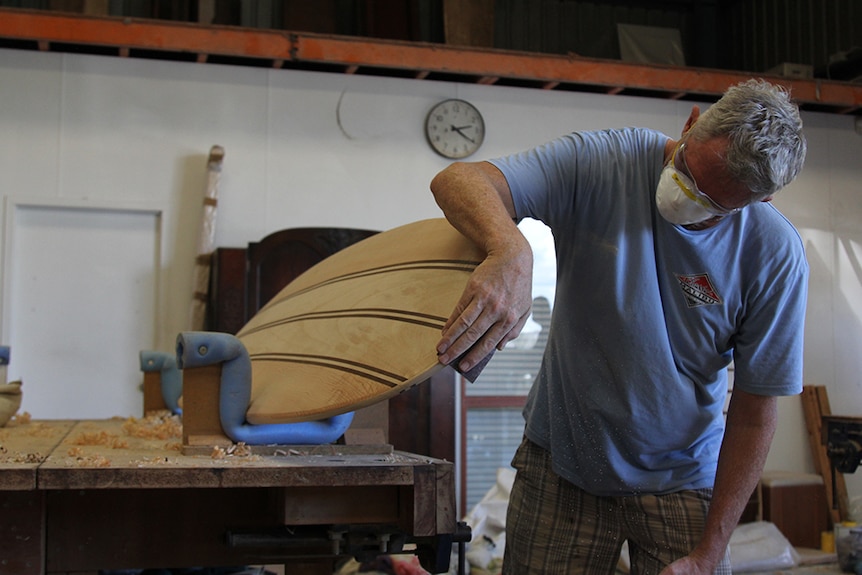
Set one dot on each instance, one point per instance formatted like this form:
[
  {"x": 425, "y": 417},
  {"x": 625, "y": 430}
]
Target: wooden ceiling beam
[{"x": 546, "y": 69}]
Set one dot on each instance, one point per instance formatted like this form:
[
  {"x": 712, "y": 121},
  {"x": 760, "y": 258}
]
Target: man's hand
[
  {"x": 687, "y": 565},
  {"x": 492, "y": 310}
]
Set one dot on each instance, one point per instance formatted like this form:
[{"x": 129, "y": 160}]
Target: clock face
[{"x": 454, "y": 128}]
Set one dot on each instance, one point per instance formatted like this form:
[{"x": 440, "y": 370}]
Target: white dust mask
[{"x": 674, "y": 204}]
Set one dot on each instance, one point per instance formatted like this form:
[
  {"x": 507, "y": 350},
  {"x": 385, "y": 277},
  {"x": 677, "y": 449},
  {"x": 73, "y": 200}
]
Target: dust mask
[{"x": 674, "y": 200}]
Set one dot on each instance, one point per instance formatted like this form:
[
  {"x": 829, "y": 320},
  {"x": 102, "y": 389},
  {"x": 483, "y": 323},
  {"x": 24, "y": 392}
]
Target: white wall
[{"x": 309, "y": 149}]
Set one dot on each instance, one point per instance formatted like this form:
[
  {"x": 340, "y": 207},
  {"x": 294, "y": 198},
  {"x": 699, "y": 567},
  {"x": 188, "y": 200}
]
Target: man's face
[{"x": 703, "y": 162}]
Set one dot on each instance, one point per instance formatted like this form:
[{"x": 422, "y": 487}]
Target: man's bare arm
[
  {"x": 751, "y": 422},
  {"x": 476, "y": 200}
]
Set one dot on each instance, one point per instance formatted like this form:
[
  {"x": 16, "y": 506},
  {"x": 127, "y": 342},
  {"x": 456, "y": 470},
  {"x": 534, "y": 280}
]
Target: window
[{"x": 491, "y": 422}]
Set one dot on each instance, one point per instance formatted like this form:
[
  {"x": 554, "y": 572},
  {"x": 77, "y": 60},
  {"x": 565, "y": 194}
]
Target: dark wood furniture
[{"x": 421, "y": 420}]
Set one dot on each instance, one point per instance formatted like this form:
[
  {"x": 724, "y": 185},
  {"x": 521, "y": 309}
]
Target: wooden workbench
[
  {"x": 830, "y": 569},
  {"x": 119, "y": 494}
]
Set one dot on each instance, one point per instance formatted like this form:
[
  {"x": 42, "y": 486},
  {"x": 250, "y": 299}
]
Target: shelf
[{"x": 280, "y": 49}]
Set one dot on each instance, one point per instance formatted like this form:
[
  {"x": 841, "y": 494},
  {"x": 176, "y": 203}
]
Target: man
[{"x": 671, "y": 263}]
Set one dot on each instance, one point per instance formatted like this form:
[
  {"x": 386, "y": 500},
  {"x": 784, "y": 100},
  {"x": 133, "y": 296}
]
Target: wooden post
[
  {"x": 201, "y": 421},
  {"x": 206, "y": 238},
  {"x": 153, "y": 399}
]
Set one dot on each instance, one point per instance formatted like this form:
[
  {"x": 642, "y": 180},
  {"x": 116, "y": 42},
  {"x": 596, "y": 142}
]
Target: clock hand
[{"x": 463, "y": 135}]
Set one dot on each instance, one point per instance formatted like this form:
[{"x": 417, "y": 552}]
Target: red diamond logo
[{"x": 698, "y": 290}]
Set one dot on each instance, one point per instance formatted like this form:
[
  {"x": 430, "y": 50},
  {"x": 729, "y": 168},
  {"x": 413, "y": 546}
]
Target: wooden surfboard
[{"x": 359, "y": 327}]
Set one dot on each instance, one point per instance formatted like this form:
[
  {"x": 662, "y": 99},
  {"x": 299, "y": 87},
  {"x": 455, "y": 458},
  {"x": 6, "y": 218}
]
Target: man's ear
[{"x": 692, "y": 118}]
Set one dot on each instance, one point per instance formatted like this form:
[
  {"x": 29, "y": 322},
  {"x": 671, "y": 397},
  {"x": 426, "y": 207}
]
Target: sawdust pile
[
  {"x": 111, "y": 440},
  {"x": 80, "y": 459},
  {"x": 19, "y": 456},
  {"x": 240, "y": 449},
  {"x": 20, "y": 419},
  {"x": 22, "y": 425},
  {"x": 156, "y": 425}
]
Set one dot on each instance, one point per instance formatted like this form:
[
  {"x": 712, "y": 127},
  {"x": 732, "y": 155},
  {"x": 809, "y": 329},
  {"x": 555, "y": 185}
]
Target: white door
[{"x": 80, "y": 302}]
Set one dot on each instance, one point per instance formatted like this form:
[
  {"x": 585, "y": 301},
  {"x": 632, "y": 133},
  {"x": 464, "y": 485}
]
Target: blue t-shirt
[{"x": 648, "y": 315}]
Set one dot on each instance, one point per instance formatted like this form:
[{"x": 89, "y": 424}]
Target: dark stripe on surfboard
[
  {"x": 450, "y": 265},
  {"x": 364, "y": 370},
  {"x": 420, "y": 319}
]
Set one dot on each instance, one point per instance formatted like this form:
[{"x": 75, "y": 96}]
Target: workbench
[
  {"x": 831, "y": 569},
  {"x": 80, "y": 496}
]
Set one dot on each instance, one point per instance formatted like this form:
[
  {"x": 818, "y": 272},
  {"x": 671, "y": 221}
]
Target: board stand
[
  {"x": 202, "y": 430},
  {"x": 152, "y": 388},
  {"x": 201, "y": 426}
]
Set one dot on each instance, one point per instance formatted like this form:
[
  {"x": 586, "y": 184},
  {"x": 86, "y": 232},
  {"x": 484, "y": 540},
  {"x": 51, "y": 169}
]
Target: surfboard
[{"x": 359, "y": 327}]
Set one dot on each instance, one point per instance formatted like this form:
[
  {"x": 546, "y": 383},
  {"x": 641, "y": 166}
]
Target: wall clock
[{"x": 454, "y": 128}]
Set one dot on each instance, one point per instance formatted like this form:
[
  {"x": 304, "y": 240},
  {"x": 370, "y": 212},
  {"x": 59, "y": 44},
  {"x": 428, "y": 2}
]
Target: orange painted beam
[
  {"x": 477, "y": 65},
  {"x": 556, "y": 69},
  {"x": 143, "y": 34}
]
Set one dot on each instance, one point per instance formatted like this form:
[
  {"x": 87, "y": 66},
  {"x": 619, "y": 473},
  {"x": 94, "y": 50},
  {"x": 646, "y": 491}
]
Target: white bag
[{"x": 760, "y": 546}]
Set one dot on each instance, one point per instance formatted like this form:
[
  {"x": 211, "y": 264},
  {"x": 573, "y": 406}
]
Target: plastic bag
[{"x": 760, "y": 546}]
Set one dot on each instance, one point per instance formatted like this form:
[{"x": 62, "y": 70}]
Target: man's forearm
[
  {"x": 751, "y": 422},
  {"x": 496, "y": 301}
]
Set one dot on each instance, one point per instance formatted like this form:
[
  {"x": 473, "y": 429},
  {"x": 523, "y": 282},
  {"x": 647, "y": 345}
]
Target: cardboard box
[{"x": 791, "y": 70}]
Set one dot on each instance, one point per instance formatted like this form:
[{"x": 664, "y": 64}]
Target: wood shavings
[
  {"x": 111, "y": 440},
  {"x": 19, "y": 456},
  {"x": 240, "y": 449},
  {"x": 77, "y": 456},
  {"x": 20, "y": 419},
  {"x": 156, "y": 425},
  {"x": 88, "y": 461}
]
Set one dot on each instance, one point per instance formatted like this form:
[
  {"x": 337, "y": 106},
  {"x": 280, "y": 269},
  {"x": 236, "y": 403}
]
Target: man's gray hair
[{"x": 767, "y": 147}]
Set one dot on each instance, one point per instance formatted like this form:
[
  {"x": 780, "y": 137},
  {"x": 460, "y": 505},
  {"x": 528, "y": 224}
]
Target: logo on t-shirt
[{"x": 698, "y": 290}]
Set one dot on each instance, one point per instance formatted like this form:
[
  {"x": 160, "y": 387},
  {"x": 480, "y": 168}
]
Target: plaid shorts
[{"x": 553, "y": 527}]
